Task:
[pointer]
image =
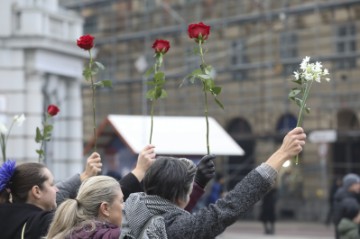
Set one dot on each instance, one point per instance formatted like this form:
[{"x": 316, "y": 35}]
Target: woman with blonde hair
[{"x": 96, "y": 212}]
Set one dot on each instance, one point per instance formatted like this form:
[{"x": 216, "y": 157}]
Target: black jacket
[{"x": 14, "y": 216}]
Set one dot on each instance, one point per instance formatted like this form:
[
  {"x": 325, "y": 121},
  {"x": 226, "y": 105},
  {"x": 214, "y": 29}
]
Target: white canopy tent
[{"x": 172, "y": 135}]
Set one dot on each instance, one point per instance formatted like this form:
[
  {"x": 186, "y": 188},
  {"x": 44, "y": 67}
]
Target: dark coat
[
  {"x": 339, "y": 196},
  {"x": 267, "y": 213},
  {"x": 14, "y": 216}
]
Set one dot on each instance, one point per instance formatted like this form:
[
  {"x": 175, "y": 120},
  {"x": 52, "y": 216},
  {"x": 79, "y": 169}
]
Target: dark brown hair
[{"x": 26, "y": 176}]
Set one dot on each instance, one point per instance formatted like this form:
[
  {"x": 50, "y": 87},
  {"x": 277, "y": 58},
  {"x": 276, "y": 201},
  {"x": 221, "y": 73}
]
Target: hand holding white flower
[{"x": 309, "y": 72}]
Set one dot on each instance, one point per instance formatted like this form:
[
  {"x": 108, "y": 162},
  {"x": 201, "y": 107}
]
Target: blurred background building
[
  {"x": 41, "y": 65},
  {"x": 254, "y": 47}
]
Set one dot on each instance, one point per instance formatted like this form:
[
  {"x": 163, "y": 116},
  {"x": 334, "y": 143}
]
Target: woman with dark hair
[
  {"x": 168, "y": 182},
  {"x": 29, "y": 196}
]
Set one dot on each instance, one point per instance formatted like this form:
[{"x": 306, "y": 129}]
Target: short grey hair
[{"x": 170, "y": 178}]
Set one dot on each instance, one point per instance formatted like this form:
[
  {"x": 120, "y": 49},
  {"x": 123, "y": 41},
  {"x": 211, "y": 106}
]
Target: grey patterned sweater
[{"x": 206, "y": 223}]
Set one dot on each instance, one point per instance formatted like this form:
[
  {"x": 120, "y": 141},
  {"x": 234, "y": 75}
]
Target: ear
[
  {"x": 35, "y": 192},
  {"x": 104, "y": 209}
]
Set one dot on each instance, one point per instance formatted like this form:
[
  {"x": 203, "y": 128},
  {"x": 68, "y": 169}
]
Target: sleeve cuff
[{"x": 267, "y": 172}]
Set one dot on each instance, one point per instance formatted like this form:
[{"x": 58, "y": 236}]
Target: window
[
  {"x": 345, "y": 45},
  {"x": 239, "y": 59},
  {"x": 289, "y": 52}
]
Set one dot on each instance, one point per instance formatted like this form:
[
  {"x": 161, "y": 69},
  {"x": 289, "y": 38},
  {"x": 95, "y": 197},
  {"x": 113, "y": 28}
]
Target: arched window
[
  {"x": 284, "y": 124},
  {"x": 240, "y": 166},
  {"x": 347, "y": 120}
]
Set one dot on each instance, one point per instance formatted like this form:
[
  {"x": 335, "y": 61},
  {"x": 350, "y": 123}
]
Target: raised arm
[
  {"x": 131, "y": 183},
  {"x": 211, "y": 221},
  {"x": 69, "y": 187}
]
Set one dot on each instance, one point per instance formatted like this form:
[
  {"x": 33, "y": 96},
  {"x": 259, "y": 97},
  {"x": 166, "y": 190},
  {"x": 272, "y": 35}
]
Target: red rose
[
  {"x": 86, "y": 42},
  {"x": 53, "y": 110},
  {"x": 199, "y": 31},
  {"x": 161, "y": 46}
]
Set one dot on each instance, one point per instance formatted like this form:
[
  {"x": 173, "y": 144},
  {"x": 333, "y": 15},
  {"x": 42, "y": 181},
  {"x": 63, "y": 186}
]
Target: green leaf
[
  {"x": 196, "y": 72},
  {"x": 299, "y": 81},
  {"x": 38, "y": 136},
  {"x": 94, "y": 72},
  {"x": 208, "y": 84},
  {"x": 39, "y": 151},
  {"x": 294, "y": 92},
  {"x": 87, "y": 73},
  {"x": 164, "y": 94},
  {"x": 298, "y": 101},
  {"x": 149, "y": 71},
  {"x": 159, "y": 76},
  {"x": 157, "y": 93},
  {"x": 152, "y": 83},
  {"x": 204, "y": 77},
  {"x": 150, "y": 94},
  {"x": 216, "y": 90},
  {"x": 104, "y": 83},
  {"x": 48, "y": 128},
  {"x": 99, "y": 65},
  {"x": 208, "y": 69},
  {"x": 219, "y": 103}
]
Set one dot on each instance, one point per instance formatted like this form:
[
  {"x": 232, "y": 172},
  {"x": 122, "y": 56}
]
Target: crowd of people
[
  {"x": 346, "y": 208},
  {"x": 154, "y": 200}
]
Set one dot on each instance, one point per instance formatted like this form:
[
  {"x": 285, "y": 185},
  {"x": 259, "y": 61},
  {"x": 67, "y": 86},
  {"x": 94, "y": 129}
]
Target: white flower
[
  {"x": 318, "y": 67},
  {"x": 19, "y": 119},
  {"x": 308, "y": 76},
  {"x": 297, "y": 75},
  {"x": 327, "y": 79},
  {"x": 326, "y": 72},
  {"x": 304, "y": 63},
  {"x": 3, "y": 129}
]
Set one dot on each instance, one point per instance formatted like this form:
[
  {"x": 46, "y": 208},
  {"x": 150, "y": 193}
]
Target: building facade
[
  {"x": 254, "y": 47},
  {"x": 40, "y": 65}
]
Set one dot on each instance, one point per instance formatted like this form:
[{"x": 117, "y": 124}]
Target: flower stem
[
  {"x": 207, "y": 121},
  {"x": 152, "y": 120},
  {"x": 41, "y": 150},
  {"x": 301, "y": 111},
  {"x": 4, "y": 140},
  {"x": 93, "y": 101},
  {"x": 3, "y": 147},
  {"x": 206, "y": 110},
  {"x": 153, "y": 101}
]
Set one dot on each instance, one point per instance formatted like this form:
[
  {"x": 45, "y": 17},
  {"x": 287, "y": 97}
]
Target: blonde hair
[{"x": 73, "y": 212}]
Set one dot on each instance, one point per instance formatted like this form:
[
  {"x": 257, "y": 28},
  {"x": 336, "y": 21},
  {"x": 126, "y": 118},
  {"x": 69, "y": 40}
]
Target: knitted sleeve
[{"x": 211, "y": 221}]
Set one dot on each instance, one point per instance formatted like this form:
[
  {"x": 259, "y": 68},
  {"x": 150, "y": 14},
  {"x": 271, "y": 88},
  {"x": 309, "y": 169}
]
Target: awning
[{"x": 172, "y": 135}]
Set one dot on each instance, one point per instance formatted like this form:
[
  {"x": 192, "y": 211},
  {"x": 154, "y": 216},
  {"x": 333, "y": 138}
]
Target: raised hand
[
  {"x": 145, "y": 160},
  {"x": 93, "y": 166},
  {"x": 205, "y": 170}
]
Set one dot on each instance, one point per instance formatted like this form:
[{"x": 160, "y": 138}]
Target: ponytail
[{"x": 64, "y": 220}]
